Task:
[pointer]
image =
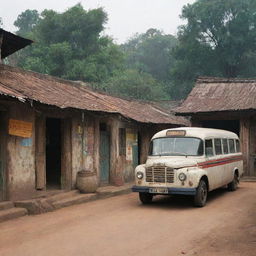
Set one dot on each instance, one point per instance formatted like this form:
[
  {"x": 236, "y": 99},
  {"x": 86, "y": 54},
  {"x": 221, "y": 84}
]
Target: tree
[
  {"x": 151, "y": 52},
  {"x": 71, "y": 45},
  {"x": 218, "y": 40},
  {"x": 134, "y": 84},
  {"x": 26, "y": 21},
  {"x": 1, "y": 22}
]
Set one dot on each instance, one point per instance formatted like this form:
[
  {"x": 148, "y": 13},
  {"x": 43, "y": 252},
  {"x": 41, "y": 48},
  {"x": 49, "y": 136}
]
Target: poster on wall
[
  {"x": 20, "y": 128},
  {"x": 131, "y": 139}
]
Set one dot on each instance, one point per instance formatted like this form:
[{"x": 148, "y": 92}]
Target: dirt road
[{"x": 122, "y": 226}]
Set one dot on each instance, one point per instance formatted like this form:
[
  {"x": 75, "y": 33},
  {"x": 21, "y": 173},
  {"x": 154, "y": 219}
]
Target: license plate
[{"x": 158, "y": 190}]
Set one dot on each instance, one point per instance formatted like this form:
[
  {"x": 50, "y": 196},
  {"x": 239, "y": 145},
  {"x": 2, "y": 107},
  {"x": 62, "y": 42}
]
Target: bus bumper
[{"x": 171, "y": 191}]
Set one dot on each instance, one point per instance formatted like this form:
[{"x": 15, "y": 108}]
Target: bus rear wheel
[{"x": 232, "y": 186}]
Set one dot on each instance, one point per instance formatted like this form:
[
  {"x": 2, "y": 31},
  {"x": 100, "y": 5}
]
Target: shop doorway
[
  {"x": 53, "y": 153},
  {"x": 104, "y": 154}
]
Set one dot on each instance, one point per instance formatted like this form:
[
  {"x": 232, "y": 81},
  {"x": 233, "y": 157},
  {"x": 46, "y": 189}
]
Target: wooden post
[
  {"x": 114, "y": 142},
  {"x": 66, "y": 157},
  {"x": 1, "y": 42},
  {"x": 245, "y": 145},
  {"x": 40, "y": 153}
]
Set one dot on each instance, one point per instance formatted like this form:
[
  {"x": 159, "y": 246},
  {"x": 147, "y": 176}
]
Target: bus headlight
[
  {"x": 182, "y": 176},
  {"x": 139, "y": 175}
]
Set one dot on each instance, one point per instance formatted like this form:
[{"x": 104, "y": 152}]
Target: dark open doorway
[
  {"x": 104, "y": 154},
  {"x": 53, "y": 153},
  {"x": 229, "y": 125}
]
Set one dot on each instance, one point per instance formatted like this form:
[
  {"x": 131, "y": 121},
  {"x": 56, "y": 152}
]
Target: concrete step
[
  {"x": 72, "y": 200},
  {"x": 249, "y": 178},
  {"x": 63, "y": 195},
  {"x": 6, "y": 205},
  {"x": 12, "y": 213},
  {"x": 64, "y": 199},
  {"x": 108, "y": 191}
]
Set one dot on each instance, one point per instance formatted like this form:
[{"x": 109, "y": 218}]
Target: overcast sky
[{"x": 125, "y": 17}]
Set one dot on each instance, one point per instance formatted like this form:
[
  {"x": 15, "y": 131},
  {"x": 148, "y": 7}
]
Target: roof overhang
[{"x": 11, "y": 43}]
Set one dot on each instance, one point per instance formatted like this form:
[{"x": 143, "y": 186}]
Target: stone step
[
  {"x": 113, "y": 190},
  {"x": 75, "y": 199},
  {"x": 12, "y": 213},
  {"x": 249, "y": 178},
  {"x": 63, "y": 195},
  {"x": 6, "y": 205}
]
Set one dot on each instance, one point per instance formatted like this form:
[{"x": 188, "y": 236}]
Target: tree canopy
[
  {"x": 69, "y": 44},
  {"x": 26, "y": 21},
  {"x": 147, "y": 64},
  {"x": 219, "y": 39}
]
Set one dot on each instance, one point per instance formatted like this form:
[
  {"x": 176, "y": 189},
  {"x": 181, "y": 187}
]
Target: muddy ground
[{"x": 121, "y": 226}]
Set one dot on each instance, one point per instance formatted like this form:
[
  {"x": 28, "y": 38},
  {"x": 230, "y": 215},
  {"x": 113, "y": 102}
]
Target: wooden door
[{"x": 104, "y": 156}]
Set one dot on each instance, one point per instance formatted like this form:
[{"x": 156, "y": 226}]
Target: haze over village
[{"x": 126, "y": 124}]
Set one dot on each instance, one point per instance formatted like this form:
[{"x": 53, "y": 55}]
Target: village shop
[{"x": 52, "y": 128}]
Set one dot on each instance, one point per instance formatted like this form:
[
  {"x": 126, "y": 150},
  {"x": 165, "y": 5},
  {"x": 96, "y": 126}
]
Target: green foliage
[
  {"x": 134, "y": 84},
  {"x": 218, "y": 40},
  {"x": 151, "y": 52},
  {"x": 26, "y": 21},
  {"x": 70, "y": 45},
  {"x": 150, "y": 55}
]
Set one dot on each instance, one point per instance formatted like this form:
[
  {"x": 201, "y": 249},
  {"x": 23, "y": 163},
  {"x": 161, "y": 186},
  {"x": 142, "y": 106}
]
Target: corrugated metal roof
[
  {"x": 218, "y": 94},
  {"x": 12, "y": 43},
  {"x": 50, "y": 90}
]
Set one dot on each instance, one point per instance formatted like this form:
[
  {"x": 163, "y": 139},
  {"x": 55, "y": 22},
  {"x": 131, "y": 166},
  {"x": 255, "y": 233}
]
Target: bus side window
[
  {"x": 231, "y": 144},
  {"x": 208, "y": 148},
  {"x": 217, "y": 146},
  {"x": 225, "y": 146},
  {"x": 237, "y": 146}
]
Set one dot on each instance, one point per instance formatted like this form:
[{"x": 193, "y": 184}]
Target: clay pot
[{"x": 86, "y": 181}]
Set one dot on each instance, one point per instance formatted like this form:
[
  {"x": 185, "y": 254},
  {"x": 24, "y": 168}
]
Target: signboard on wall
[
  {"x": 131, "y": 139},
  {"x": 20, "y": 128}
]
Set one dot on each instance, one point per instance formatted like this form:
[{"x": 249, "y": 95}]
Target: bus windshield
[{"x": 176, "y": 146}]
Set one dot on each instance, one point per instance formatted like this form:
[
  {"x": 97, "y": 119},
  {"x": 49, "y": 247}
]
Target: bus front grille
[{"x": 160, "y": 174}]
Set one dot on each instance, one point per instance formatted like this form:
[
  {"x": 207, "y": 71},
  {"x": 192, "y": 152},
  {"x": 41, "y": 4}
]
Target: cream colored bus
[{"x": 189, "y": 161}]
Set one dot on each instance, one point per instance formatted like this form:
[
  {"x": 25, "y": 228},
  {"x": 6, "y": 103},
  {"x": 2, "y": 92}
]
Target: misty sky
[{"x": 125, "y": 17}]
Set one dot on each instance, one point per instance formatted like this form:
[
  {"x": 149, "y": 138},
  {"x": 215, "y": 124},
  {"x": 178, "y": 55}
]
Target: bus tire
[
  {"x": 201, "y": 194},
  {"x": 232, "y": 186},
  {"x": 145, "y": 198}
]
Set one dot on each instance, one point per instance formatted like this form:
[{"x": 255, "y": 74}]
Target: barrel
[{"x": 86, "y": 181}]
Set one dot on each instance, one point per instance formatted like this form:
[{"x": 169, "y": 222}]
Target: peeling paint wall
[
  {"x": 21, "y": 155},
  {"x": 84, "y": 145}
]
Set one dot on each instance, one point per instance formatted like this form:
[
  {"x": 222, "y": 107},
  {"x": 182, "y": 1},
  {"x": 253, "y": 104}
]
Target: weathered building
[
  {"x": 228, "y": 104},
  {"x": 53, "y": 128}
]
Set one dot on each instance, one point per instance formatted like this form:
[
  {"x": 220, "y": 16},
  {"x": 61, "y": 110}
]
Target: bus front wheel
[
  {"x": 201, "y": 194},
  {"x": 145, "y": 198}
]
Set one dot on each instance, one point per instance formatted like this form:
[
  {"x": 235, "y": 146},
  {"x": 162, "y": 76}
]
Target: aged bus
[{"x": 189, "y": 161}]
